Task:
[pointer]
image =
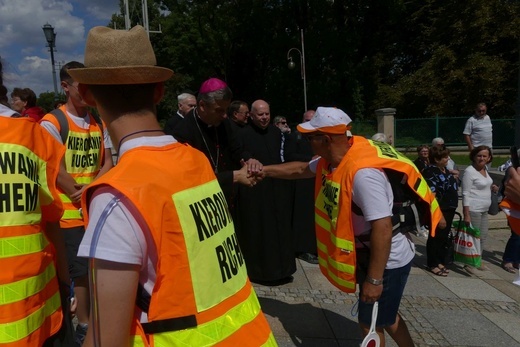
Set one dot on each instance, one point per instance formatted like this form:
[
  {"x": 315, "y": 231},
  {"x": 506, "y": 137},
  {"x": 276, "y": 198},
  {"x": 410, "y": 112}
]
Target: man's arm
[
  {"x": 108, "y": 163},
  {"x": 380, "y": 242},
  {"x": 291, "y": 170},
  {"x": 468, "y": 141},
  {"x": 116, "y": 285},
  {"x": 512, "y": 190},
  {"x": 65, "y": 181}
]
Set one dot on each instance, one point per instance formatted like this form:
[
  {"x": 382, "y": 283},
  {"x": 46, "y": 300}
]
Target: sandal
[
  {"x": 444, "y": 269},
  {"x": 438, "y": 272},
  {"x": 509, "y": 267}
]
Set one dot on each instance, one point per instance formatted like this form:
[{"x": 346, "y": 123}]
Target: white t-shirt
[
  {"x": 476, "y": 190},
  {"x": 81, "y": 122},
  {"x": 480, "y": 131},
  {"x": 121, "y": 238},
  {"x": 372, "y": 193}
]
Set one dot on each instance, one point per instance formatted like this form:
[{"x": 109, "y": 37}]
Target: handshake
[{"x": 250, "y": 174}]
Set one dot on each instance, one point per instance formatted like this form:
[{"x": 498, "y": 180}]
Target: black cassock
[
  {"x": 303, "y": 208},
  {"x": 219, "y": 144},
  {"x": 264, "y": 212}
]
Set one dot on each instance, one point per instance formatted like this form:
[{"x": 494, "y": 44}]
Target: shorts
[
  {"x": 78, "y": 266},
  {"x": 394, "y": 281}
]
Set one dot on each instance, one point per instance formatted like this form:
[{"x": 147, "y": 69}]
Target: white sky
[{"x": 26, "y": 59}]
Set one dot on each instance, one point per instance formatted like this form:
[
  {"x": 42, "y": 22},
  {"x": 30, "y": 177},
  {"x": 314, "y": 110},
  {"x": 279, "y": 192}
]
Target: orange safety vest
[
  {"x": 512, "y": 211},
  {"x": 333, "y": 191},
  {"x": 30, "y": 306},
  {"x": 202, "y": 282},
  {"x": 84, "y": 156}
]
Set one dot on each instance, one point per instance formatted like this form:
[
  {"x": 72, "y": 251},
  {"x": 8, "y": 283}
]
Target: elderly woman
[
  {"x": 476, "y": 194},
  {"x": 444, "y": 185},
  {"x": 422, "y": 161}
]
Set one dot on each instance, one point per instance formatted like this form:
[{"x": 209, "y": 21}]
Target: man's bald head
[
  {"x": 307, "y": 116},
  {"x": 260, "y": 114}
]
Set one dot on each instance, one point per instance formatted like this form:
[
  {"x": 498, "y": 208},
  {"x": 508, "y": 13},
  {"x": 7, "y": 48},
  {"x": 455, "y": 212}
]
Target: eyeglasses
[
  {"x": 284, "y": 123},
  {"x": 244, "y": 112}
]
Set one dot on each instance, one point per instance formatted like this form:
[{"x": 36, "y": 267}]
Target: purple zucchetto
[{"x": 212, "y": 85}]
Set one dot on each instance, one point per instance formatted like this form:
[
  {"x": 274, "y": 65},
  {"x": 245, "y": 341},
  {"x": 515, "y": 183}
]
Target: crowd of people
[{"x": 162, "y": 248}]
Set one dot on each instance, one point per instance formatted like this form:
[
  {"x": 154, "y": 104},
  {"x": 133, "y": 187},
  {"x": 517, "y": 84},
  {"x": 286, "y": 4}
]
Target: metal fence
[{"x": 413, "y": 132}]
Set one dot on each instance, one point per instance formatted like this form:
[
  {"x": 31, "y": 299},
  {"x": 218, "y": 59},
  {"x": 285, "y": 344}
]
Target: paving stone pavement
[{"x": 459, "y": 310}]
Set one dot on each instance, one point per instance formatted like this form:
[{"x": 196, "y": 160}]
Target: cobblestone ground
[{"x": 421, "y": 330}]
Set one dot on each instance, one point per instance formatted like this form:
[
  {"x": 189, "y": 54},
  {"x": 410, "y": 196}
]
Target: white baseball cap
[{"x": 327, "y": 120}]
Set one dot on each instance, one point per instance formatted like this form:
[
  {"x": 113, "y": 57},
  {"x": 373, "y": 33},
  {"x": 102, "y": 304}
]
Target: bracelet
[{"x": 374, "y": 281}]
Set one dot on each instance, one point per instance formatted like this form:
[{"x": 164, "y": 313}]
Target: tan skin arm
[
  {"x": 65, "y": 181},
  {"x": 380, "y": 242},
  {"x": 108, "y": 164},
  {"x": 116, "y": 285},
  {"x": 290, "y": 170},
  {"x": 512, "y": 190},
  {"x": 54, "y": 235},
  {"x": 468, "y": 141}
]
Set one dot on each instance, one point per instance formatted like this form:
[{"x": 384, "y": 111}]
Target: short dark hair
[
  {"x": 475, "y": 151},
  {"x": 125, "y": 98},
  {"x": 26, "y": 95},
  {"x": 438, "y": 152},
  {"x": 234, "y": 107},
  {"x": 421, "y": 147},
  {"x": 64, "y": 72}
]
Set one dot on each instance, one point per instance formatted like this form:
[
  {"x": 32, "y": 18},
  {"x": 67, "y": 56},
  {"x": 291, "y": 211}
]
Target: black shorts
[{"x": 78, "y": 266}]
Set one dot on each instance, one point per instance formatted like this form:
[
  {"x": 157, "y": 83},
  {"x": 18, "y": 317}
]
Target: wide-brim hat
[
  {"x": 119, "y": 57},
  {"x": 328, "y": 120}
]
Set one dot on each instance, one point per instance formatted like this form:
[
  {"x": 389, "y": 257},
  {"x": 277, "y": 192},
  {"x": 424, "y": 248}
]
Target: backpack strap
[{"x": 64, "y": 124}]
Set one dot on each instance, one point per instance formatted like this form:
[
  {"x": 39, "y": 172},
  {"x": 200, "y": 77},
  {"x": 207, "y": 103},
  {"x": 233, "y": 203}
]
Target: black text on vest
[
  {"x": 16, "y": 195},
  {"x": 210, "y": 215},
  {"x": 229, "y": 257}
]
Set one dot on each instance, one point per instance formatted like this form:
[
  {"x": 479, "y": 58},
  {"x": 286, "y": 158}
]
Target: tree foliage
[{"x": 422, "y": 57}]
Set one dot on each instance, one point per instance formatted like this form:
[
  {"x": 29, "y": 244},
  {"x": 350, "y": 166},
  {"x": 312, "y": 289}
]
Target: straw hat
[{"x": 119, "y": 57}]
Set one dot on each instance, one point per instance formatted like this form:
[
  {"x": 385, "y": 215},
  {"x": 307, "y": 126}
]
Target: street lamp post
[
  {"x": 50, "y": 36},
  {"x": 291, "y": 65}
]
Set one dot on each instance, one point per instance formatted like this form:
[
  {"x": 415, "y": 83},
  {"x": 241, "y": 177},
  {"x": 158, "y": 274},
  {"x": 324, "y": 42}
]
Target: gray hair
[
  {"x": 221, "y": 94},
  {"x": 380, "y": 137},
  {"x": 437, "y": 141},
  {"x": 278, "y": 119},
  {"x": 185, "y": 96}
]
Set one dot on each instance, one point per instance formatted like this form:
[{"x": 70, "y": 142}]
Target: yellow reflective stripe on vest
[
  {"x": 338, "y": 242},
  {"x": 21, "y": 245},
  {"x": 71, "y": 214},
  {"x": 13, "y": 292},
  {"x": 271, "y": 342},
  {"x": 434, "y": 205},
  {"x": 342, "y": 267},
  {"x": 84, "y": 179},
  {"x": 65, "y": 198},
  {"x": 214, "y": 331},
  {"x": 336, "y": 279},
  {"x": 322, "y": 222},
  {"x": 14, "y": 331}
]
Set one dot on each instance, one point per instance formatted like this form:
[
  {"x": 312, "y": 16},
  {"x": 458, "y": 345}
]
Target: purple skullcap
[{"x": 212, "y": 85}]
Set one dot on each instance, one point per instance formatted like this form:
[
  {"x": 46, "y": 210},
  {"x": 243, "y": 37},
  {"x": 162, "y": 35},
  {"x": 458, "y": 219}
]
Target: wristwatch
[{"x": 374, "y": 281}]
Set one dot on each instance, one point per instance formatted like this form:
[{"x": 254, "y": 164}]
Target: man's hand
[
  {"x": 76, "y": 196},
  {"x": 253, "y": 166},
  {"x": 512, "y": 190},
  {"x": 442, "y": 223},
  {"x": 371, "y": 293},
  {"x": 243, "y": 177}
]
